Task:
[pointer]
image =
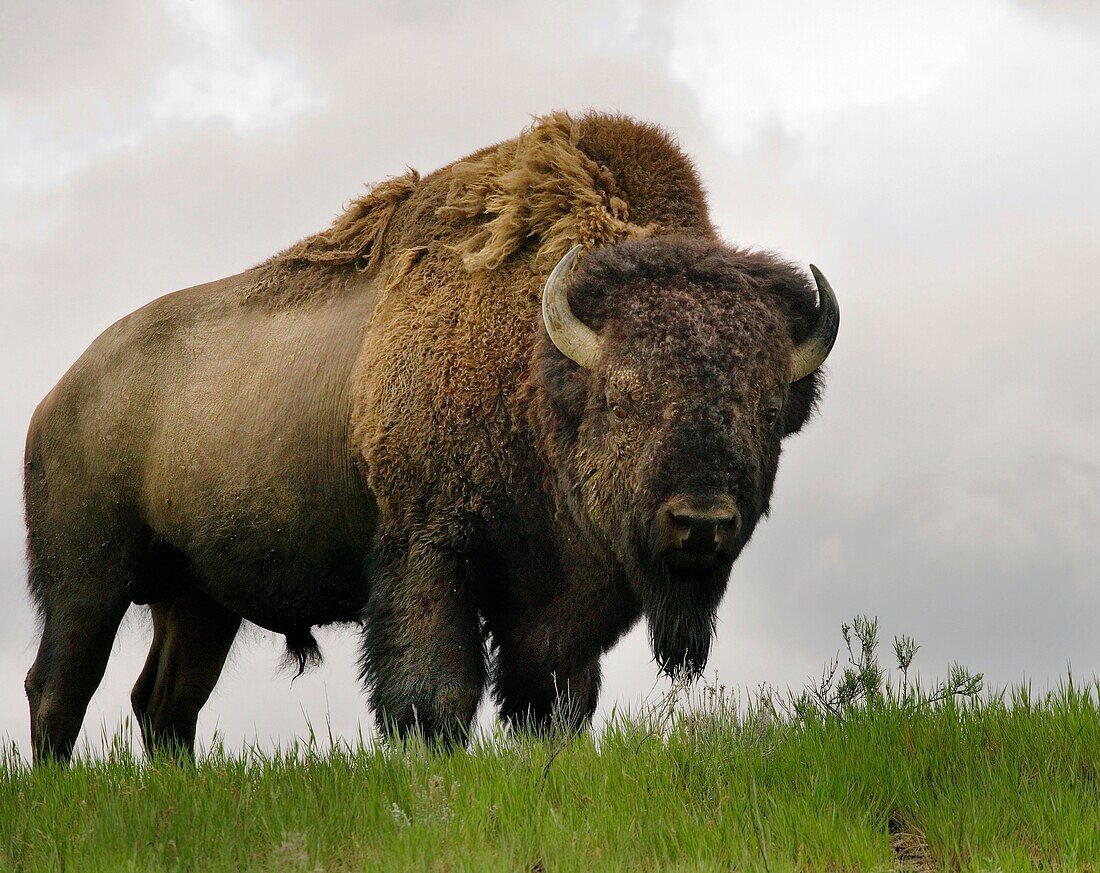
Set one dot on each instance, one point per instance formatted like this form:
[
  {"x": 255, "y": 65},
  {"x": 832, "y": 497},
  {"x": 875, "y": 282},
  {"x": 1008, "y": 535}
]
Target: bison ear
[{"x": 801, "y": 403}]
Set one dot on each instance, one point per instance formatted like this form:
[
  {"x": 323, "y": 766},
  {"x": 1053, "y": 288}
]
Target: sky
[{"x": 938, "y": 161}]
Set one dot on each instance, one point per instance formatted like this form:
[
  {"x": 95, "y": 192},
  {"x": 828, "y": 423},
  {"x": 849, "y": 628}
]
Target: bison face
[{"x": 695, "y": 361}]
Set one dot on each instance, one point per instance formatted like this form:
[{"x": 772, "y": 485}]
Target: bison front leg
[
  {"x": 423, "y": 658},
  {"x": 534, "y": 697}
]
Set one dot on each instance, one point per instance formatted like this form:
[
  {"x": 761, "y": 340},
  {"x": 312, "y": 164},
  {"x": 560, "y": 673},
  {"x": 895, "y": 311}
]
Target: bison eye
[
  {"x": 618, "y": 403},
  {"x": 771, "y": 416}
]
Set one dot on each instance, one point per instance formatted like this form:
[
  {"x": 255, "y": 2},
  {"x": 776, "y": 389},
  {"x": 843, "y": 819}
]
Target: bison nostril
[{"x": 702, "y": 530}]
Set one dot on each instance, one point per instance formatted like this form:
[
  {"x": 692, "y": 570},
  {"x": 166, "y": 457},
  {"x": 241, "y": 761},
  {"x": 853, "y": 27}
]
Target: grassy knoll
[{"x": 870, "y": 778}]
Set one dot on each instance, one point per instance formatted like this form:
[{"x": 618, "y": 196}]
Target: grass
[{"x": 871, "y": 779}]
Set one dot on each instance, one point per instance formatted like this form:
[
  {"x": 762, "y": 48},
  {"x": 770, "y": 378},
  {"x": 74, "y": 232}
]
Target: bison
[{"x": 495, "y": 415}]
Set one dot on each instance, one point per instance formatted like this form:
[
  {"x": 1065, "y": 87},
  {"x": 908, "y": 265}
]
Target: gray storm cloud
[{"x": 951, "y": 484}]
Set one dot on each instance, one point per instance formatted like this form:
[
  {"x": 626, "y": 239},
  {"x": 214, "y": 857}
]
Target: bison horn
[
  {"x": 812, "y": 352},
  {"x": 574, "y": 339}
]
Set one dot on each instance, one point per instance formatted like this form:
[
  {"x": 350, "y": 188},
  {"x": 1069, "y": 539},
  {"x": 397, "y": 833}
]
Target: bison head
[{"x": 676, "y": 368}]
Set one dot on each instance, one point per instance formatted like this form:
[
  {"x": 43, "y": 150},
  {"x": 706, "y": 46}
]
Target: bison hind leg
[
  {"x": 72, "y": 656},
  {"x": 192, "y": 635},
  {"x": 81, "y": 594}
]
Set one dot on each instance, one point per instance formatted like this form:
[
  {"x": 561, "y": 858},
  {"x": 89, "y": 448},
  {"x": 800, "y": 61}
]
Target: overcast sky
[{"x": 940, "y": 161}]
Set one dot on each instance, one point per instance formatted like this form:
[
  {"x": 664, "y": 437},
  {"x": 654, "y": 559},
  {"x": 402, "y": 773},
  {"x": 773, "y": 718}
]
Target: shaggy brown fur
[
  {"x": 325, "y": 260},
  {"x": 373, "y": 426},
  {"x": 563, "y": 181}
]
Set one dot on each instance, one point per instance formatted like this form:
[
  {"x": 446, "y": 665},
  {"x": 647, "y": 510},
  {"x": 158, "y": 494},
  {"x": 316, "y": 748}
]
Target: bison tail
[{"x": 302, "y": 651}]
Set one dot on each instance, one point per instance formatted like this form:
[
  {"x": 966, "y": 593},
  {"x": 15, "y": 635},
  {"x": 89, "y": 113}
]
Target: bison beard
[
  {"x": 680, "y": 605},
  {"x": 680, "y": 612}
]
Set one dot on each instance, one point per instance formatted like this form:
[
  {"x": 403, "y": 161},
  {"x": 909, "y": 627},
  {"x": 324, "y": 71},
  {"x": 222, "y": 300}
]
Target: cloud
[
  {"x": 210, "y": 69},
  {"x": 219, "y": 73},
  {"x": 946, "y": 181},
  {"x": 758, "y": 66},
  {"x": 950, "y": 481},
  {"x": 51, "y": 50}
]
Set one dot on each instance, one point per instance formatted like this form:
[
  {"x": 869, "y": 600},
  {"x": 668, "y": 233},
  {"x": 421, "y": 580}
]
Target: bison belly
[
  {"x": 201, "y": 442},
  {"x": 250, "y": 474}
]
